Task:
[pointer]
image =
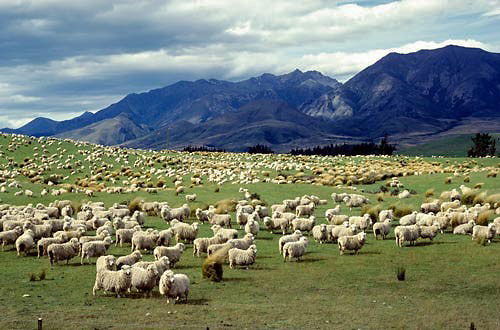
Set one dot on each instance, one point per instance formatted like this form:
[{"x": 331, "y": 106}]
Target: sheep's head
[
  {"x": 127, "y": 270},
  {"x": 181, "y": 246},
  {"x": 137, "y": 255}
]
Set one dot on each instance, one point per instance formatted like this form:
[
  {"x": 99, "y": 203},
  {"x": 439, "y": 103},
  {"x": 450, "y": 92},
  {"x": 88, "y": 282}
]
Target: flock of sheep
[{"x": 61, "y": 232}]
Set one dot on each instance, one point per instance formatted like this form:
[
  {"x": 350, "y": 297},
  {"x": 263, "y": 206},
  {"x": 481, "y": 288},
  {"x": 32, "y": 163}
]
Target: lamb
[
  {"x": 252, "y": 227},
  {"x": 406, "y": 234},
  {"x": 10, "y": 236},
  {"x": 144, "y": 241},
  {"x": 223, "y": 220},
  {"x": 242, "y": 243},
  {"x": 363, "y": 222},
  {"x": 125, "y": 235},
  {"x": 291, "y": 204},
  {"x": 95, "y": 249},
  {"x": 201, "y": 215},
  {"x": 354, "y": 242},
  {"x": 113, "y": 281},
  {"x": 305, "y": 210},
  {"x": 484, "y": 232},
  {"x": 201, "y": 244},
  {"x": 130, "y": 259},
  {"x": 304, "y": 224},
  {"x": 161, "y": 265},
  {"x": 25, "y": 242},
  {"x": 382, "y": 228},
  {"x": 464, "y": 229},
  {"x": 242, "y": 257},
  {"x": 429, "y": 232},
  {"x": 144, "y": 280},
  {"x": 409, "y": 219},
  {"x": 226, "y": 234},
  {"x": 190, "y": 198},
  {"x": 276, "y": 223},
  {"x": 105, "y": 263},
  {"x": 295, "y": 249},
  {"x": 44, "y": 243},
  {"x": 166, "y": 236},
  {"x": 173, "y": 253},
  {"x": 343, "y": 230},
  {"x": 185, "y": 232},
  {"x": 63, "y": 251},
  {"x": 320, "y": 233},
  {"x": 331, "y": 212},
  {"x": 174, "y": 286},
  {"x": 294, "y": 237},
  {"x": 39, "y": 230}
]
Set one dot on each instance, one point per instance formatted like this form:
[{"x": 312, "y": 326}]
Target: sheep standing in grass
[
  {"x": 166, "y": 236},
  {"x": 429, "y": 232},
  {"x": 406, "y": 234},
  {"x": 216, "y": 247},
  {"x": 464, "y": 229},
  {"x": 162, "y": 265},
  {"x": 144, "y": 241},
  {"x": 44, "y": 243},
  {"x": 304, "y": 224},
  {"x": 484, "y": 232},
  {"x": 434, "y": 207},
  {"x": 350, "y": 243},
  {"x": 409, "y": 219},
  {"x": 130, "y": 259},
  {"x": 332, "y": 212},
  {"x": 363, "y": 222},
  {"x": 10, "y": 236},
  {"x": 294, "y": 237},
  {"x": 105, "y": 263},
  {"x": 277, "y": 223},
  {"x": 343, "y": 230},
  {"x": 385, "y": 214},
  {"x": 95, "y": 249},
  {"x": 173, "y": 253},
  {"x": 25, "y": 242},
  {"x": 295, "y": 249},
  {"x": 242, "y": 243},
  {"x": 226, "y": 234},
  {"x": 223, "y": 220},
  {"x": 242, "y": 257},
  {"x": 190, "y": 198},
  {"x": 63, "y": 251},
  {"x": 113, "y": 281},
  {"x": 382, "y": 228},
  {"x": 40, "y": 231},
  {"x": 144, "y": 280},
  {"x": 320, "y": 233},
  {"x": 174, "y": 286},
  {"x": 125, "y": 235},
  {"x": 201, "y": 215},
  {"x": 252, "y": 227},
  {"x": 185, "y": 232},
  {"x": 200, "y": 245},
  {"x": 305, "y": 210},
  {"x": 338, "y": 219}
]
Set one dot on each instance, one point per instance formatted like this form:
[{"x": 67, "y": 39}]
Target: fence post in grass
[{"x": 40, "y": 323}]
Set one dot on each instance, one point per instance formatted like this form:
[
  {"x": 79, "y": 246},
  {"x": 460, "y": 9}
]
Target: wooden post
[{"x": 40, "y": 323}]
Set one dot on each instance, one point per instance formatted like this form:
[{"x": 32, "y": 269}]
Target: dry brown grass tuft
[
  {"x": 484, "y": 217},
  {"x": 429, "y": 192},
  {"x": 400, "y": 210},
  {"x": 225, "y": 206}
]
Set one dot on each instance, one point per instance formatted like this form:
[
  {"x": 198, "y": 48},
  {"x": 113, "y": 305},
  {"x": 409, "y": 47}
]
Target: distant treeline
[
  {"x": 260, "y": 149},
  {"x": 367, "y": 148},
  {"x": 202, "y": 149}
]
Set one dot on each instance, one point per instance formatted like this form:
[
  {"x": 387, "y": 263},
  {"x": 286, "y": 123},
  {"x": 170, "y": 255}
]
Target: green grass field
[{"x": 450, "y": 282}]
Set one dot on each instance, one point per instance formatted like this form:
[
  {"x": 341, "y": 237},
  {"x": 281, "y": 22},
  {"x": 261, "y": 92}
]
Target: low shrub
[
  {"x": 401, "y": 273},
  {"x": 400, "y": 210},
  {"x": 429, "y": 192},
  {"x": 483, "y": 217},
  {"x": 225, "y": 206},
  {"x": 135, "y": 205}
]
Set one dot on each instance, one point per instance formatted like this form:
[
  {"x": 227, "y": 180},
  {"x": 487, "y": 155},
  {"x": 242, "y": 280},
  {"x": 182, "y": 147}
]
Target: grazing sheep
[
  {"x": 354, "y": 242},
  {"x": 125, "y": 235},
  {"x": 277, "y": 223},
  {"x": 385, "y": 214},
  {"x": 144, "y": 241},
  {"x": 278, "y": 208},
  {"x": 144, "y": 280},
  {"x": 404, "y": 194},
  {"x": 406, "y": 234},
  {"x": 262, "y": 211},
  {"x": 201, "y": 215},
  {"x": 252, "y": 227},
  {"x": 464, "y": 229},
  {"x": 226, "y": 234},
  {"x": 332, "y": 212},
  {"x": 294, "y": 237},
  {"x": 113, "y": 281},
  {"x": 216, "y": 247},
  {"x": 304, "y": 224},
  {"x": 190, "y": 198},
  {"x": 320, "y": 233},
  {"x": 338, "y": 219},
  {"x": 241, "y": 218},
  {"x": 166, "y": 236},
  {"x": 430, "y": 207},
  {"x": 223, "y": 220},
  {"x": 63, "y": 251},
  {"x": 130, "y": 259},
  {"x": 442, "y": 222},
  {"x": 161, "y": 265},
  {"x": 174, "y": 286},
  {"x": 409, "y": 219},
  {"x": 10, "y": 236},
  {"x": 429, "y": 232},
  {"x": 484, "y": 232},
  {"x": 295, "y": 249},
  {"x": 44, "y": 243},
  {"x": 106, "y": 227},
  {"x": 39, "y": 230},
  {"x": 363, "y": 222},
  {"x": 67, "y": 235},
  {"x": 95, "y": 249},
  {"x": 200, "y": 245},
  {"x": 105, "y": 263},
  {"x": 173, "y": 253},
  {"x": 242, "y": 243},
  {"x": 382, "y": 228},
  {"x": 284, "y": 215},
  {"x": 450, "y": 205},
  {"x": 25, "y": 242},
  {"x": 343, "y": 230},
  {"x": 305, "y": 210},
  {"x": 242, "y": 257},
  {"x": 291, "y": 204},
  {"x": 185, "y": 232}
]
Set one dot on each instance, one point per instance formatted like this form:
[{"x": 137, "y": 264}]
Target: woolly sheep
[
  {"x": 277, "y": 223},
  {"x": 382, "y": 228},
  {"x": 201, "y": 244},
  {"x": 484, "y": 232},
  {"x": 450, "y": 205},
  {"x": 223, "y": 220},
  {"x": 185, "y": 232},
  {"x": 338, "y": 219},
  {"x": 25, "y": 242},
  {"x": 332, "y": 212},
  {"x": 242, "y": 257},
  {"x": 354, "y": 242},
  {"x": 305, "y": 210},
  {"x": 385, "y": 214},
  {"x": 130, "y": 259},
  {"x": 174, "y": 286},
  {"x": 190, "y": 198},
  {"x": 406, "y": 234},
  {"x": 226, "y": 234},
  {"x": 295, "y": 249},
  {"x": 464, "y": 229},
  {"x": 363, "y": 222},
  {"x": 113, "y": 281},
  {"x": 252, "y": 227},
  {"x": 201, "y": 215},
  {"x": 216, "y": 247},
  {"x": 161, "y": 265},
  {"x": 429, "y": 232},
  {"x": 63, "y": 251},
  {"x": 144, "y": 241},
  {"x": 320, "y": 233},
  {"x": 294, "y": 237},
  {"x": 173, "y": 253},
  {"x": 40, "y": 231},
  {"x": 304, "y": 224},
  {"x": 166, "y": 236},
  {"x": 430, "y": 207},
  {"x": 105, "y": 263},
  {"x": 343, "y": 230},
  {"x": 144, "y": 280},
  {"x": 125, "y": 235},
  {"x": 409, "y": 219},
  {"x": 262, "y": 211},
  {"x": 10, "y": 236},
  {"x": 285, "y": 215},
  {"x": 95, "y": 249},
  {"x": 242, "y": 243},
  {"x": 139, "y": 217},
  {"x": 44, "y": 243}
]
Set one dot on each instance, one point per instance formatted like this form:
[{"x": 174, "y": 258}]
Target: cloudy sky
[{"x": 59, "y": 58}]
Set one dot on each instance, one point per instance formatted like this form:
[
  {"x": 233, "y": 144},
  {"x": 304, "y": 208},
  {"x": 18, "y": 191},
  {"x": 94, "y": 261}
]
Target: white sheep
[
  {"x": 363, "y": 222},
  {"x": 338, "y": 219},
  {"x": 252, "y": 227},
  {"x": 201, "y": 244},
  {"x": 434, "y": 207},
  {"x": 185, "y": 232},
  {"x": 95, "y": 249},
  {"x": 130, "y": 259},
  {"x": 125, "y": 235},
  {"x": 409, "y": 219},
  {"x": 10, "y": 236},
  {"x": 225, "y": 233},
  {"x": 25, "y": 242},
  {"x": 406, "y": 234},
  {"x": 484, "y": 232},
  {"x": 113, "y": 281},
  {"x": 385, "y": 214},
  {"x": 242, "y": 257},
  {"x": 382, "y": 228},
  {"x": 294, "y": 237},
  {"x": 144, "y": 280},
  {"x": 144, "y": 241},
  {"x": 343, "y": 230},
  {"x": 223, "y": 220},
  {"x": 216, "y": 247},
  {"x": 295, "y": 249},
  {"x": 305, "y": 210},
  {"x": 44, "y": 243},
  {"x": 166, "y": 236},
  {"x": 354, "y": 242},
  {"x": 63, "y": 251},
  {"x": 173, "y": 253},
  {"x": 201, "y": 215},
  {"x": 162, "y": 265},
  {"x": 40, "y": 231},
  {"x": 174, "y": 286},
  {"x": 190, "y": 198},
  {"x": 332, "y": 212},
  {"x": 320, "y": 233},
  {"x": 464, "y": 229},
  {"x": 277, "y": 223},
  {"x": 304, "y": 224},
  {"x": 429, "y": 231},
  {"x": 105, "y": 263},
  {"x": 242, "y": 243}
]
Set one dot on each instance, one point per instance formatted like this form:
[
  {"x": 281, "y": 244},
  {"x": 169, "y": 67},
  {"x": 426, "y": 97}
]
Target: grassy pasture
[{"x": 450, "y": 282}]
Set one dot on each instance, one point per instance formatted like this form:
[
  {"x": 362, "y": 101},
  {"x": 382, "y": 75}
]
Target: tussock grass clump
[
  {"x": 484, "y": 217},
  {"x": 447, "y": 180},
  {"x": 373, "y": 211},
  {"x": 225, "y": 206},
  {"x": 217, "y": 189},
  {"x": 478, "y": 185},
  {"x": 135, "y": 205},
  {"x": 42, "y": 275},
  {"x": 32, "y": 277},
  {"x": 480, "y": 198},
  {"x": 429, "y": 192},
  {"x": 400, "y": 210},
  {"x": 468, "y": 197},
  {"x": 494, "y": 200},
  {"x": 467, "y": 179},
  {"x": 76, "y": 206},
  {"x": 380, "y": 197},
  {"x": 212, "y": 268},
  {"x": 491, "y": 175},
  {"x": 401, "y": 273}
]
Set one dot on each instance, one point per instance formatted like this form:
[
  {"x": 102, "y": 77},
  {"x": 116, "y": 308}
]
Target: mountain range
[{"x": 412, "y": 97}]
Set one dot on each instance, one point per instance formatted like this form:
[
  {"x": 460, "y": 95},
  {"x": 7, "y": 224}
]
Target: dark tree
[
  {"x": 202, "y": 149},
  {"x": 385, "y": 148},
  {"x": 260, "y": 149},
  {"x": 484, "y": 145}
]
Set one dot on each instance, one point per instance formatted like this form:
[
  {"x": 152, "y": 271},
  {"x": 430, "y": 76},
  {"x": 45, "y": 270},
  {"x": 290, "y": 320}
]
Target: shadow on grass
[
  {"x": 186, "y": 266},
  {"x": 235, "y": 279}
]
